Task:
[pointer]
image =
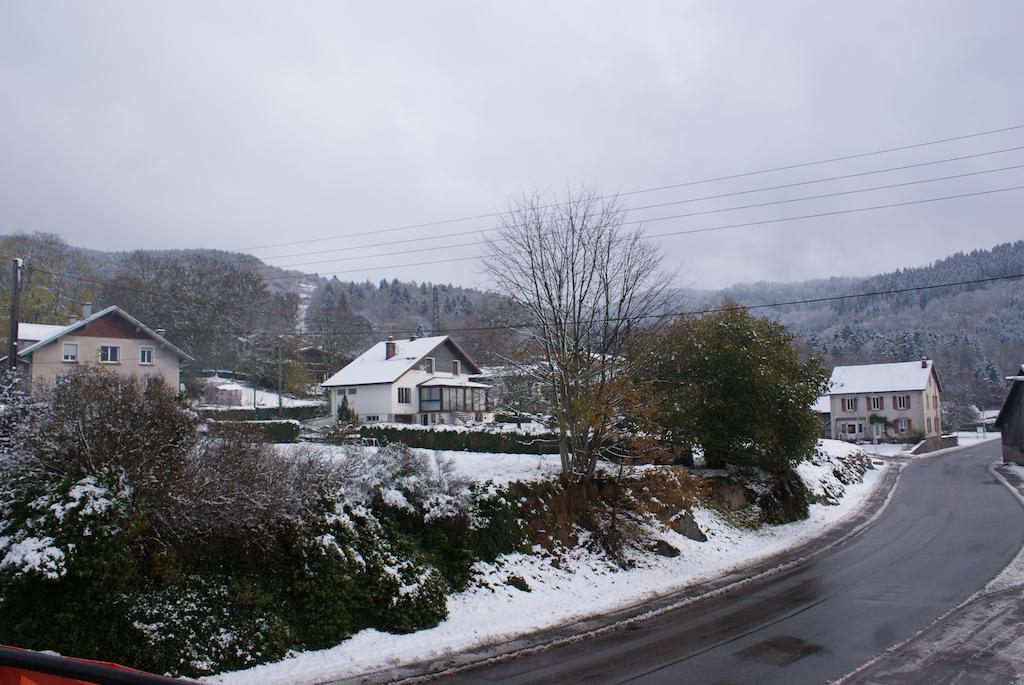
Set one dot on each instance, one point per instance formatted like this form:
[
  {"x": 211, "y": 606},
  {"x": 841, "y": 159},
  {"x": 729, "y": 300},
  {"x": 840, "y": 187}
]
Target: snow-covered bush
[
  {"x": 127, "y": 535},
  {"x": 206, "y": 623}
]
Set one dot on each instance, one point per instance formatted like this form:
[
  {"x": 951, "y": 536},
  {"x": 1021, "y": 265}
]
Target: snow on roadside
[{"x": 578, "y": 583}]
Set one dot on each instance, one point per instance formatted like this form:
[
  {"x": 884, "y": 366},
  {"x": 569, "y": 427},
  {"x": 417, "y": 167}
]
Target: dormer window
[{"x": 455, "y": 367}]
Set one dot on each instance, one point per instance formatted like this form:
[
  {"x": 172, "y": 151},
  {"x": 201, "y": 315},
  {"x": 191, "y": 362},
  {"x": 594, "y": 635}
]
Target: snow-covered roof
[
  {"x": 65, "y": 330},
  {"x": 461, "y": 382},
  {"x": 867, "y": 378},
  {"x": 1019, "y": 376},
  {"x": 37, "y": 331},
  {"x": 823, "y": 405},
  {"x": 372, "y": 367}
]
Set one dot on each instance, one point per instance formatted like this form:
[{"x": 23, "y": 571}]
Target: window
[
  {"x": 901, "y": 401},
  {"x": 430, "y": 399},
  {"x": 902, "y": 425},
  {"x": 877, "y": 403},
  {"x": 146, "y": 355},
  {"x": 110, "y": 354},
  {"x": 851, "y": 429},
  {"x": 70, "y": 352},
  {"x": 428, "y": 365},
  {"x": 849, "y": 403},
  {"x": 455, "y": 367},
  {"x": 352, "y": 391},
  {"x": 928, "y": 423},
  {"x": 405, "y": 395},
  {"x": 372, "y": 418}
]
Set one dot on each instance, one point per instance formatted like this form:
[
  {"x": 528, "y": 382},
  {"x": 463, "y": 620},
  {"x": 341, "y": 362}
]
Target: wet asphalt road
[{"x": 949, "y": 529}]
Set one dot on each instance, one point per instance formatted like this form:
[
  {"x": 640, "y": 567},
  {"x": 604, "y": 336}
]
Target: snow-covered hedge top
[{"x": 513, "y": 428}]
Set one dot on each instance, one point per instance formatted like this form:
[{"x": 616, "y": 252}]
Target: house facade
[
  {"x": 111, "y": 338},
  {"x": 880, "y": 402},
  {"x": 1011, "y": 420},
  {"x": 411, "y": 380}
]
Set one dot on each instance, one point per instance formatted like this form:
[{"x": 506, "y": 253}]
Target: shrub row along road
[{"x": 950, "y": 528}]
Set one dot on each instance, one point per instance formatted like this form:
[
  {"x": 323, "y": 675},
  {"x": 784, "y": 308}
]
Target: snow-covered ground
[
  {"x": 886, "y": 449},
  {"x": 264, "y": 398},
  {"x": 573, "y": 586},
  {"x": 966, "y": 437}
]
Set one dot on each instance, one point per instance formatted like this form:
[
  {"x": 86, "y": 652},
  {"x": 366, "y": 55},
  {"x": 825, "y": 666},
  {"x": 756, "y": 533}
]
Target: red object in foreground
[{"x": 26, "y": 667}]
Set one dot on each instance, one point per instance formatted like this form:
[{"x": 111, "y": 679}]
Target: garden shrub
[
  {"x": 463, "y": 441},
  {"x": 134, "y": 538}
]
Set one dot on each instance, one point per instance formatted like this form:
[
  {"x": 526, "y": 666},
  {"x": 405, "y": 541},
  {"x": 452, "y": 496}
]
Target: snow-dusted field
[
  {"x": 967, "y": 437},
  {"x": 264, "y": 398},
  {"x": 580, "y": 584}
]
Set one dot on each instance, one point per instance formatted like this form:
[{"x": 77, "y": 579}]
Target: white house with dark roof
[
  {"x": 111, "y": 338},
  {"x": 412, "y": 380},
  {"x": 885, "y": 401}
]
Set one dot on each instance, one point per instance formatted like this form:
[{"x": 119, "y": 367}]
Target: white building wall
[
  {"x": 368, "y": 400},
  {"x": 381, "y": 399}
]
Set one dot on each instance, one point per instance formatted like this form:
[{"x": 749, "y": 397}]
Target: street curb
[
  {"x": 985, "y": 591},
  {"x": 425, "y": 671}
]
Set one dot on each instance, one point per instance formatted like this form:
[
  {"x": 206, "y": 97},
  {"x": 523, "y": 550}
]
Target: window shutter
[
  {"x": 908, "y": 401},
  {"x": 842, "y": 402},
  {"x": 908, "y": 424},
  {"x": 881, "y": 402},
  {"x": 895, "y": 403}
]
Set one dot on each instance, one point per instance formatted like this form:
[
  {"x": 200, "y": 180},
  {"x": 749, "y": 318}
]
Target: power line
[
  {"x": 650, "y": 219},
  {"x": 666, "y": 204},
  {"x": 683, "y": 184},
  {"x": 694, "y": 312},
  {"x": 659, "y": 235},
  {"x": 744, "y": 224}
]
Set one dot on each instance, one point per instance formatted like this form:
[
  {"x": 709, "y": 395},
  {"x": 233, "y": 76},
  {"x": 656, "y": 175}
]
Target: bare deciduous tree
[{"x": 587, "y": 284}]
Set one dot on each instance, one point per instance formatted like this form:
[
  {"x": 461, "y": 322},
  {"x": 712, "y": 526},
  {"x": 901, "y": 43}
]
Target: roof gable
[
  {"x": 371, "y": 367},
  {"x": 118, "y": 330},
  {"x": 868, "y": 378},
  {"x": 1017, "y": 382}
]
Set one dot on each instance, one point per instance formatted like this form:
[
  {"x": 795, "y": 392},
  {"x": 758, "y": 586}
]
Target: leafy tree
[{"x": 735, "y": 386}]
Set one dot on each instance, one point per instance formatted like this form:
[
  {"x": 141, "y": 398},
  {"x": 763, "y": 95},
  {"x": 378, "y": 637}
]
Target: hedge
[
  {"x": 286, "y": 430},
  {"x": 303, "y": 413},
  {"x": 464, "y": 441}
]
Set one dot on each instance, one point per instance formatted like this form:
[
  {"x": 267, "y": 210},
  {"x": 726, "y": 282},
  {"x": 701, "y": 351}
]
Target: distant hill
[{"x": 975, "y": 333}]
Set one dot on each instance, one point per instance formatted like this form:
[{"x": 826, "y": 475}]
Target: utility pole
[
  {"x": 437, "y": 315},
  {"x": 280, "y": 382},
  {"x": 12, "y": 343}
]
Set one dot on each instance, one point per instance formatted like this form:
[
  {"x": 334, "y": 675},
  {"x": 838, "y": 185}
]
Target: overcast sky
[{"x": 238, "y": 124}]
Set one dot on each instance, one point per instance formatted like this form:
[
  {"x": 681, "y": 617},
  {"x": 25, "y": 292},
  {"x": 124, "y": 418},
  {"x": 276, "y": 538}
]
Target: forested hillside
[
  {"x": 233, "y": 311},
  {"x": 975, "y": 332}
]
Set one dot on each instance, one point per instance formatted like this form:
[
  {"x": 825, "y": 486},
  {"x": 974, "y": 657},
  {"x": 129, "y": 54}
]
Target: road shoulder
[
  {"x": 871, "y": 508},
  {"x": 979, "y": 641}
]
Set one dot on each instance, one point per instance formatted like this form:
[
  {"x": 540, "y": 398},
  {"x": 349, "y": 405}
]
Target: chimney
[
  {"x": 412, "y": 337},
  {"x": 86, "y": 310},
  {"x": 72, "y": 319},
  {"x": 924, "y": 363},
  {"x": 160, "y": 331},
  {"x": 390, "y": 348}
]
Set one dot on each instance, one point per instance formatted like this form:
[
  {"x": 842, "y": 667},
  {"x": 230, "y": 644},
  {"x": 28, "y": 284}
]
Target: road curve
[{"x": 950, "y": 528}]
